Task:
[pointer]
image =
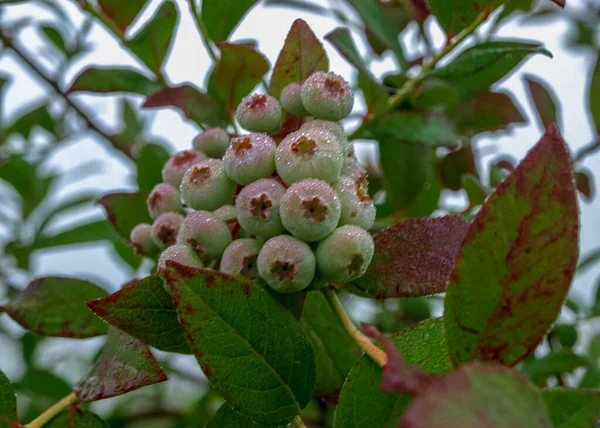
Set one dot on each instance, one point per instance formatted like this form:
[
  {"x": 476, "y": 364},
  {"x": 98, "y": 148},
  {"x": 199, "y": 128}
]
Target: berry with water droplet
[
  {"x": 257, "y": 208},
  {"x": 332, "y": 127},
  {"x": 165, "y": 229},
  {"x": 259, "y": 113},
  {"x": 178, "y": 164},
  {"x": 213, "y": 142},
  {"x": 291, "y": 100},
  {"x": 327, "y": 96},
  {"x": 225, "y": 213},
  {"x": 250, "y": 157},
  {"x": 353, "y": 169},
  {"x": 207, "y": 235},
  {"x": 206, "y": 186},
  {"x": 162, "y": 199},
  {"x": 181, "y": 254},
  {"x": 141, "y": 239},
  {"x": 240, "y": 257},
  {"x": 357, "y": 207}
]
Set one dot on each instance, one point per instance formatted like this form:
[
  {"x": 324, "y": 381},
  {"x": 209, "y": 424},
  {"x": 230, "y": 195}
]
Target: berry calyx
[
  {"x": 259, "y": 113},
  {"x": 178, "y": 164},
  {"x": 327, "y": 96},
  {"x": 206, "y": 186},
  {"x": 163, "y": 198},
  {"x": 257, "y": 207},
  {"x": 165, "y": 229},
  {"x": 240, "y": 258},
  {"x": 141, "y": 239},
  {"x": 204, "y": 233},
  {"x": 250, "y": 158},
  {"x": 332, "y": 127},
  {"x": 212, "y": 142},
  {"x": 291, "y": 99}
]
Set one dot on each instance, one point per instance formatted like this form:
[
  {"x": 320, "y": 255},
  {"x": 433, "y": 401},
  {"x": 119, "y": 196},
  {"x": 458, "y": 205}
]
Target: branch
[
  {"x": 587, "y": 150},
  {"x": 203, "y": 31},
  {"x": 51, "y": 412},
  {"x": 10, "y": 43}
]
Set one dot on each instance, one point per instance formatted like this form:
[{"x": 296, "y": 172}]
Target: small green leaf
[
  {"x": 126, "y": 364},
  {"x": 195, "y": 105},
  {"x": 412, "y": 258},
  {"x": 341, "y": 39},
  {"x": 149, "y": 164},
  {"x": 544, "y": 100},
  {"x": 55, "y": 306},
  {"x": 555, "y": 363},
  {"x": 572, "y": 408},
  {"x": 26, "y": 122},
  {"x": 251, "y": 349},
  {"x": 503, "y": 297},
  {"x": 479, "y": 395},
  {"x": 302, "y": 54},
  {"x": 77, "y": 418},
  {"x": 144, "y": 309},
  {"x": 151, "y": 44},
  {"x": 363, "y": 404},
  {"x": 85, "y": 233},
  {"x": 226, "y": 417},
  {"x": 125, "y": 211},
  {"x": 584, "y": 180},
  {"x": 108, "y": 80},
  {"x": 121, "y": 13},
  {"x": 55, "y": 37},
  {"x": 566, "y": 334},
  {"x": 480, "y": 66},
  {"x": 222, "y": 16},
  {"x": 8, "y": 403},
  {"x": 411, "y": 127},
  {"x": 45, "y": 384},
  {"x": 594, "y": 100},
  {"x": 588, "y": 261},
  {"x": 238, "y": 71}
]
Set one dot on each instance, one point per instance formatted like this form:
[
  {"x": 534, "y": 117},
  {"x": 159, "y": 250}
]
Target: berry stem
[
  {"x": 298, "y": 422},
  {"x": 51, "y": 412},
  {"x": 400, "y": 96},
  {"x": 363, "y": 341}
]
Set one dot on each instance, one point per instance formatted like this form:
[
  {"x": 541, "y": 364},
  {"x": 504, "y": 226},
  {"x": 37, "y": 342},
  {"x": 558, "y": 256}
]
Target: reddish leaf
[
  {"x": 544, "y": 99},
  {"x": 584, "y": 180},
  {"x": 302, "y": 54},
  {"x": 126, "y": 364},
  {"x": 56, "y": 306},
  {"x": 195, "y": 105},
  {"x": 479, "y": 395},
  {"x": 560, "y": 3},
  {"x": 517, "y": 260},
  {"x": 412, "y": 258},
  {"x": 238, "y": 71},
  {"x": 120, "y": 12},
  {"x": 8, "y": 403},
  {"x": 454, "y": 165},
  {"x": 125, "y": 211}
]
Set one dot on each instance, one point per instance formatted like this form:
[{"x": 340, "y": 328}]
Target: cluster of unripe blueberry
[{"x": 293, "y": 213}]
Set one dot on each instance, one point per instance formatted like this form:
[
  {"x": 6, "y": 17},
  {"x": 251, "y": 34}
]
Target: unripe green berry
[
  {"x": 240, "y": 257},
  {"x": 291, "y": 100},
  {"x": 250, "y": 157},
  {"x": 141, "y": 239},
  {"x": 165, "y": 229},
  {"x": 286, "y": 264},
  {"x": 257, "y": 207},
  {"x": 327, "y": 96},
  {"x": 345, "y": 254},
  {"x": 335, "y": 128},
  {"x": 353, "y": 169},
  {"x": 259, "y": 113},
  {"x": 175, "y": 168},
  {"x": 205, "y": 234},
  {"x": 162, "y": 199},
  {"x": 357, "y": 207},
  {"x": 181, "y": 254},
  {"x": 309, "y": 153},
  {"x": 310, "y": 210},
  {"x": 225, "y": 213},
  {"x": 205, "y": 186},
  {"x": 213, "y": 142}
]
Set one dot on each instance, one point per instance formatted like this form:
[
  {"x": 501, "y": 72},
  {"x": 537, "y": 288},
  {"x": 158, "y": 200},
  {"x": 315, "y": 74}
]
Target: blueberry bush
[{"x": 253, "y": 249}]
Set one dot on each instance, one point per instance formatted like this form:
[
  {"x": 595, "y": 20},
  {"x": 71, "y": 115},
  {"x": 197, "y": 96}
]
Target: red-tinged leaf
[
  {"x": 455, "y": 15},
  {"x": 125, "y": 211},
  {"x": 195, "y": 105},
  {"x": 8, "y": 404},
  {"x": 144, "y": 310},
  {"x": 412, "y": 258},
  {"x": 56, "y": 306},
  {"x": 517, "y": 260},
  {"x": 108, "y": 80},
  {"x": 455, "y": 164},
  {"x": 302, "y": 54},
  {"x": 126, "y": 364},
  {"x": 544, "y": 99},
  {"x": 398, "y": 375},
  {"x": 560, "y": 3},
  {"x": 584, "y": 180},
  {"x": 573, "y": 408},
  {"x": 479, "y": 395},
  {"x": 222, "y": 16},
  {"x": 238, "y": 71},
  {"x": 120, "y": 12}
]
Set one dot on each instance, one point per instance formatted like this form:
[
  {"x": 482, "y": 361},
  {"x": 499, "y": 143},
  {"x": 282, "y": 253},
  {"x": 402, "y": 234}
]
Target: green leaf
[
  {"x": 341, "y": 39},
  {"x": 411, "y": 127},
  {"x": 380, "y": 25},
  {"x": 302, "y": 54},
  {"x": 77, "y": 418},
  {"x": 55, "y": 306},
  {"x": 555, "y": 363},
  {"x": 515, "y": 267},
  {"x": 149, "y": 164},
  {"x": 108, "y": 79},
  {"x": 566, "y": 334},
  {"x": 456, "y": 15},
  {"x": 195, "y": 105},
  {"x": 412, "y": 258},
  {"x": 479, "y": 395},
  {"x": 222, "y": 16},
  {"x": 588, "y": 261},
  {"x": 74, "y": 201},
  {"x": 55, "y": 37},
  {"x": 572, "y": 408},
  {"x": 82, "y": 234},
  {"x": 252, "y": 350},
  {"x": 125, "y": 211},
  {"x": 120, "y": 12},
  {"x": 238, "y": 71},
  {"x": 480, "y": 66},
  {"x": 151, "y": 44},
  {"x": 144, "y": 309},
  {"x": 126, "y": 364},
  {"x": 226, "y": 417},
  {"x": 544, "y": 100},
  {"x": 335, "y": 351},
  {"x": 455, "y": 164},
  {"x": 27, "y": 122},
  {"x": 584, "y": 182},
  {"x": 593, "y": 99},
  {"x": 363, "y": 404},
  {"x": 45, "y": 384},
  {"x": 8, "y": 403}
]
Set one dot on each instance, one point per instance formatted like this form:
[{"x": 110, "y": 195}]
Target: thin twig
[
  {"x": 51, "y": 412},
  {"x": 587, "y": 150},
  {"x": 298, "y": 422}
]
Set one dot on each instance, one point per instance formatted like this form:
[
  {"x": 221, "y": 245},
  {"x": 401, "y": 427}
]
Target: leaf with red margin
[
  {"x": 302, "y": 54},
  {"x": 56, "y": 306},
  {"x": 517, "y": 260},
  {"x": 125, "y": 211},
  {"x": 121, "y": 12},
  {"x": 144, "y": 309},
  {"x": 238, "y": 71},
  {"x": 8, "y": 404},
  {"x": 195, "y": 105},
  {"x": 544, "y": 99},
  {"x": 478, "y": 395},
  {"x": 253, "y": 351},
  {"x": 126, "y": 364},
  {"x": 413, "y": 258}
]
